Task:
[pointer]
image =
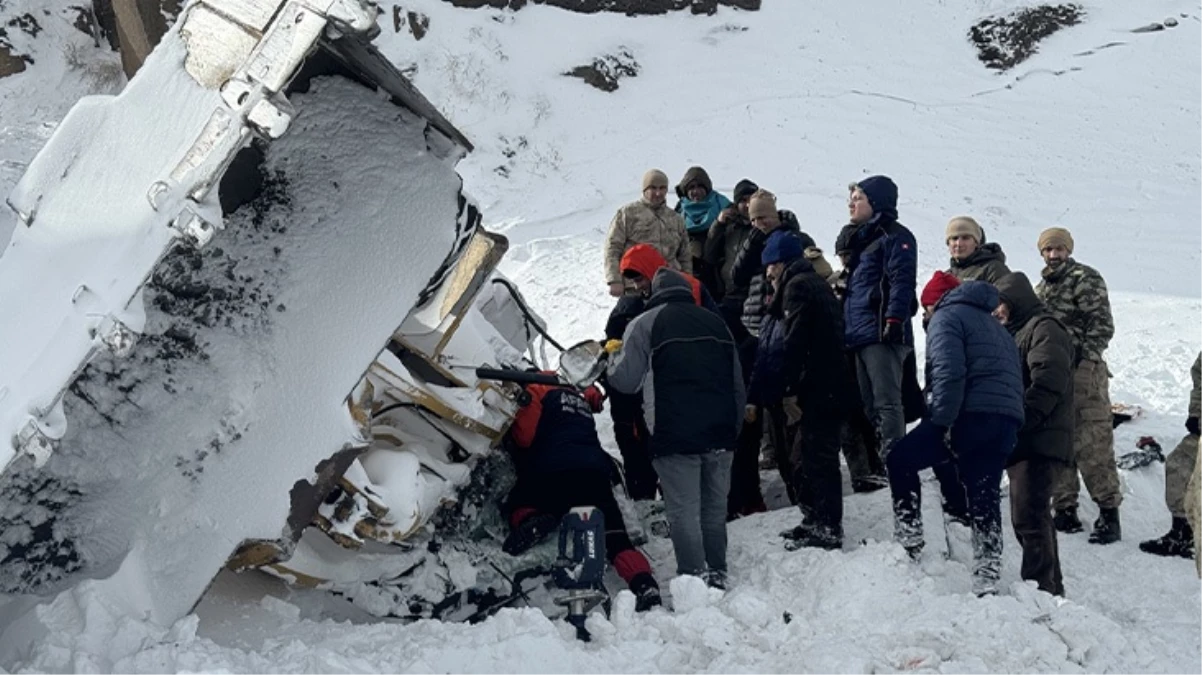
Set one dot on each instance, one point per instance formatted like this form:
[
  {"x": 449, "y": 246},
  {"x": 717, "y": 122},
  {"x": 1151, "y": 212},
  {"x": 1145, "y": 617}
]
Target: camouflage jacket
[
  {"x": 640, "y": 223},
  {"x": 1195, "y": 396},
  {"x": 1076, "y": 294}
]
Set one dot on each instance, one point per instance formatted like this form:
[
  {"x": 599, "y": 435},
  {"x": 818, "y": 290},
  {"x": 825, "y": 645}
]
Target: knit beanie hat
[
  {"x": 782, "y": 246},
  {"x": 818, "y": 261},
  {"x": 743, "y": 189},
  {"x": 655, "y": 178},
  {"x": 1055, "y": 236},
  {"x": 763, "y": 205},
  {"x": 939, "y": 284},
  {"x": 961, "y": 225}
]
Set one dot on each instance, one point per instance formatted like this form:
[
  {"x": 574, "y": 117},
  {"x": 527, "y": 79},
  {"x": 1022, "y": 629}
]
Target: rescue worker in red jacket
[{"x": 560, "y": 464}]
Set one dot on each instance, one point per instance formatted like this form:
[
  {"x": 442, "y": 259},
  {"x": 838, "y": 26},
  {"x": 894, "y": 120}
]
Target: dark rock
[
  {"x": 419, "y": 24},
  {"x": 628, "y": 7},
  {"x": 604, "y": 72},
  {"x": 1005, "y": 41},
  {"x": 1150, "y": 28}
]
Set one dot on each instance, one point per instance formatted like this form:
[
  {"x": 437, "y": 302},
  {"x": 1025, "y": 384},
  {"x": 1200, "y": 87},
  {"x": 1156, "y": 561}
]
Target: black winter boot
[
  {"x": 646, "y": 592},
  {"x": 529, "y": 532},
  {"x": 1178, "y": 542},
  {"x": 1066, "y": 521},
  {"x": 817, "y": 537},
  {"x": 1106, "y": 529}
]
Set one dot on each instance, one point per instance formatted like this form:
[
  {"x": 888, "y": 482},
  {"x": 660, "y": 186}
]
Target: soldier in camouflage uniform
[
  {"x": 1076, "y": 294},
  {"x": 1177, "y": 469}
]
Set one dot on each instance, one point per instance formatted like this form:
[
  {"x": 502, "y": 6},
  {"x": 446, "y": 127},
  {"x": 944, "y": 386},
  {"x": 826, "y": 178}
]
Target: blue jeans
[{"x": 980, "y": 443}]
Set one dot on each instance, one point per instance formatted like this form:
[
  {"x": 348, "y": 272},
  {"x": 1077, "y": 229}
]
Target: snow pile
[{"x": 1098, "y": 131}]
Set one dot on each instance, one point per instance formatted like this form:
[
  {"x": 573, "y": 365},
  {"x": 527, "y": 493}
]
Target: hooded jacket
[
  {"x": 987, "y": 263},
  {"x": 699, "y": 215},
  {"x": 972, "y": 361},
  {"x": 686, "y": 364},
  {"x": 749, "y": 270},
  {"x": 641, "y": 223},
  {"x": 883, "y": 271},
  {"x": 1046, "y": 351}
]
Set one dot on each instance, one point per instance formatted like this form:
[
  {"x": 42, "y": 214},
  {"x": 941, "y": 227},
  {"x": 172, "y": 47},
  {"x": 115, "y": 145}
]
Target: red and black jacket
[{"x": 556, "y": 432}]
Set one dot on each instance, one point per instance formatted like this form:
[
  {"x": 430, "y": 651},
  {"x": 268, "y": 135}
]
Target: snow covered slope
[{"x": 1100, "y": 132}]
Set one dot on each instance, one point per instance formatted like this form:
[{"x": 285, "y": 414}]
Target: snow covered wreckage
[{"x": 238, "y": 307}]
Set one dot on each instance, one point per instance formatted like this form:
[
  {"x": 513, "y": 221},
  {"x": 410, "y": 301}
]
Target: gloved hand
[
  {"x": 894, "y": 333},
  {"x": 617, "y": 288},
  {"x": 750, "y": 414},
  {"x": 792, "y": 410},
  {"x": 612, "y": 346},
  {"x": 595, "y": 398},
  {"x": 1191, "y": 424}
]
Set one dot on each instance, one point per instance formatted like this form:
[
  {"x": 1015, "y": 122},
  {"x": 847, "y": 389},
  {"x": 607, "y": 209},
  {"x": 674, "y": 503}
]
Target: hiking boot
[
  {"x": 983, "y": 585},
  {"x": 794, "y": 533},
  {"x": 646, "y": 592},
  {"x": 1066, "y": 521},
  {"x": 915, "y": 551},
  {"x": 715, "y": 579},
  {"x": 529, "y": 532},
  {"x": 1106, "y": 529},
  {"x": 818, "y": 537},
  {"x": 870, "y": 483},
  {"x": 1178, "y": 542}
]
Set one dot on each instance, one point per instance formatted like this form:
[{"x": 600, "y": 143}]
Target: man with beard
[{"x": 1076, "y": 294}]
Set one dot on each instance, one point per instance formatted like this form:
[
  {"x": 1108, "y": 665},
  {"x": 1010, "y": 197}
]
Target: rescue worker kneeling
[{"x": 560, "y": 464}]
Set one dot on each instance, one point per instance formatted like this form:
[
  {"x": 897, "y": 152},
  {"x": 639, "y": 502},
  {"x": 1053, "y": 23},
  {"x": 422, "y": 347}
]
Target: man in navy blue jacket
[
  {"x": 883, "y": 261},
  {"x": 974, "y": 410}
]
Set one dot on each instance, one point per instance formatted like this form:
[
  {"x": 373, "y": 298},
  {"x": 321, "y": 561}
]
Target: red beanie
[{"x": 939, "y": 284}]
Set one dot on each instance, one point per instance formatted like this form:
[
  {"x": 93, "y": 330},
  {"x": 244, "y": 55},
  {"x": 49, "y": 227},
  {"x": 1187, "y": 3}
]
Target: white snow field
[{"x": 1099, "y": 132}]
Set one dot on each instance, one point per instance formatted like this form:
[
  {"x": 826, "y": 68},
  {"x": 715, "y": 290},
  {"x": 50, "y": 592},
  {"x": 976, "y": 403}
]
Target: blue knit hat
[
  {"x": 881, "y": 192},
  {"x": 782, "y": 246}
]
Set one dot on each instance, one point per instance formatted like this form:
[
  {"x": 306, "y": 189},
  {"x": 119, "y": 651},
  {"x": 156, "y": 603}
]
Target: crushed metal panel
[
  {"x": 287, "y": 42},
  {"x": 365, "y": 59},
  {"x": 253, "y": 14},
  {"x": 217, "y": 48}
]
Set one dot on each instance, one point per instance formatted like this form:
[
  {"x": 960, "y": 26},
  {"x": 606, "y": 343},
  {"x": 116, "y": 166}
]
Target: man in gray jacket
[{"x": 686, "y": 364}]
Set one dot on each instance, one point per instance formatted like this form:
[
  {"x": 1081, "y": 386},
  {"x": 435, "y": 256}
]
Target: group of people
[{"x": 732, "y": 332}]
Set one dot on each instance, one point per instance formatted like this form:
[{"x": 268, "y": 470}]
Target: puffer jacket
[
  {"x": 972, "y": 361},
  {"x": 1046, "y": 351},
  {"x": 882, "y": 284},
  {"x": 640, "y": 223},
  {"x": 987, "y": 263},
  {"x": 749, "y": 271}
]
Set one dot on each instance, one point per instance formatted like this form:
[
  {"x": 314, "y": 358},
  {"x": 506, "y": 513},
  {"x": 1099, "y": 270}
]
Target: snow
[{"x": 807, "y": 98}]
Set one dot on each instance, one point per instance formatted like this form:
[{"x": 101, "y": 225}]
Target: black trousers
[
  {"x": 1031, "y": 515},
  {"x": 817, "y": 480},
  {"x": 556, "y": 493},
  {"x": 630, "y": 431},
  {"x": 745, "y": 495}
]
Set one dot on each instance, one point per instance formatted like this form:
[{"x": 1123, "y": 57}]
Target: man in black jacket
[
  {"x": 1045, "y": 441},
  {"x": 684, "y": 361},
  {"x": 816, "y": 378}
]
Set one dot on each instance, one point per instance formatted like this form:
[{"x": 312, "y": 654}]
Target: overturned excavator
[{"x": 241, "y": 314}]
